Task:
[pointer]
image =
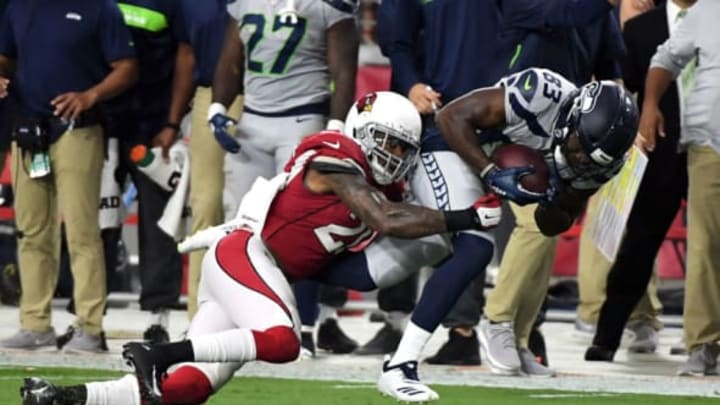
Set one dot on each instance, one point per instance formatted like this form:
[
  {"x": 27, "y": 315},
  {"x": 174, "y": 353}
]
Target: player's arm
[
  {"x": 227, "y": 84},
  {"x": 400, "y": 219},
  {"x": 228, "y": 78},
  {"x": 342, "y": 53},
  {"x": 558, "y": 217},
  {"x": 458, "y": 121}
]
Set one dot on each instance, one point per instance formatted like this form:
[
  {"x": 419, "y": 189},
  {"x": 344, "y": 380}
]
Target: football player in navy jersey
[{"x": 584, "y": 132}]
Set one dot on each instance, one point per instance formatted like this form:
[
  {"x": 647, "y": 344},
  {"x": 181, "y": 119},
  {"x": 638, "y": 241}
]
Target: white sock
[
  {"x": 124, "y": 391},
  {"x": 235, "y": 345},
  {"x": 160, "y": 317},
  {"x": 326, "y": 312},
  {"x": 411, "y": 345},
  {"x": 398, "y": 320}
]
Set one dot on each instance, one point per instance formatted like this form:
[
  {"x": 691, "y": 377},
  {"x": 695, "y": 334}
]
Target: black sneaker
[
  {"x": 62, "y": 340},
  {"x": 307, "y": 345},
  {"x": 36, "y": 391},
  {"x": 331, "y": 338},
  {"x": 156, "y": 334},
  {"x": 599, "y": 353},
  {"x": 536, "y": 344},
  {"x": 386, "y": 340},
  {"x": 140, "y": 356},
  {"x": 458, "y": 350}
]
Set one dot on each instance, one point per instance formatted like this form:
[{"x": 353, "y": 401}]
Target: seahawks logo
[{"x": 589, "y": 96}]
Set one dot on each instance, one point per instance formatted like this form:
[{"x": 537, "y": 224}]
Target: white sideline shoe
[
  {"x": 402, "y": 383},
  {"x": 497, "y": 342}
]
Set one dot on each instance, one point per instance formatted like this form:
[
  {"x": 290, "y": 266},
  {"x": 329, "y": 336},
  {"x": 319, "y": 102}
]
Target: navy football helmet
[{"x": 603, "y": 119}]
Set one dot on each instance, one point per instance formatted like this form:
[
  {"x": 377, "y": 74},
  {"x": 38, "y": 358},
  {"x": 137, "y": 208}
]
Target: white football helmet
[{"x": 382, "y": 121}]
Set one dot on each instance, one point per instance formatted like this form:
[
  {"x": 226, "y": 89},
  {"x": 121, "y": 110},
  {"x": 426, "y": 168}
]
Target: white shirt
[
  {"x": 697, "y": 35},
  {"x": 672, "y": 10}
]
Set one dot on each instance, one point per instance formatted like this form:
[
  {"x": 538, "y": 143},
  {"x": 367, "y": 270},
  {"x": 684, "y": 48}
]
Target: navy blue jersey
[
  {"x": 577, "y": 53},
  {"x": 205, "y": 22},
  {"x": 155, "y": 26},
  {"x": 467, "y": 44},
  {"x": 61, "y": 46}
]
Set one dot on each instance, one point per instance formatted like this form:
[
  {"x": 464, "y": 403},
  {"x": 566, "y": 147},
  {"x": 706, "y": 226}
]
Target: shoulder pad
[{"x": 524, "y": 83}]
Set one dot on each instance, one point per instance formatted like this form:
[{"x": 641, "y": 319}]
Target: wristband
[
  {"x": 487, "y": 170},
  {"x": 460, "y": 220},
  {"x": 216, "y": 108},
  {"x": 335, "y": 125}
]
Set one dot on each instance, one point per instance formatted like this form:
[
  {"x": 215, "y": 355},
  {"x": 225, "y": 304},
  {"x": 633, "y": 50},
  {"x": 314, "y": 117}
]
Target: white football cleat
[{"x": 402, "y": 383}]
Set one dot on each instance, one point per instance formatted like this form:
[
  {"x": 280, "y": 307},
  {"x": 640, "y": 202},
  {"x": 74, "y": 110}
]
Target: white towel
[
  {"x": 112, "y": 211},
  {"x": 172, "y": 221}
]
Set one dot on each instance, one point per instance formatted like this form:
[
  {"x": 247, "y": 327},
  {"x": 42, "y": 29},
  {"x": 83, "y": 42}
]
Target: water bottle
[{"x": 149, "y": 161}]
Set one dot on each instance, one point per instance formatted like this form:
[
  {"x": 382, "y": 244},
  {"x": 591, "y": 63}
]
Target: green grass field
[{"x": 300, "y": 392}]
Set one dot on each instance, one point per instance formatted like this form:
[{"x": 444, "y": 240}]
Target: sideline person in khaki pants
[
  {"x": 207, "y": 181},
  {"x": 593, "y": 269},
  {"x": 692, "y": 54},
  {"x": 72, "y": 190},
  {"x": 58, "y": 154}
]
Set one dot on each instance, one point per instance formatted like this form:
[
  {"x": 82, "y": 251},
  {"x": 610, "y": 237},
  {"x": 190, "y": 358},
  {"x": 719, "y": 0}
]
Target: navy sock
[
  {"x": 349, "y": 271},
  {"x": 471, "y": 254},
  {"x": 307, "y": 295}
]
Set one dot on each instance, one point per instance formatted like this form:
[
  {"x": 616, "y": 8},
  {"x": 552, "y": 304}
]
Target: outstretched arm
[{"x": 400, "y": 219}]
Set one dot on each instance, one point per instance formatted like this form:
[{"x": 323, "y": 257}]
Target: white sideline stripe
[
  {"x": 550, "y": 396},
  {"x": 353, "y": 386},
  {"x": 85, "y": 378}
]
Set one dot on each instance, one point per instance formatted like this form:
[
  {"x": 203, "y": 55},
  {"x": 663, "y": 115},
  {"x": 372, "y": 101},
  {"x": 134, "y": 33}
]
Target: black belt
[{"x": 85, "y": 119}]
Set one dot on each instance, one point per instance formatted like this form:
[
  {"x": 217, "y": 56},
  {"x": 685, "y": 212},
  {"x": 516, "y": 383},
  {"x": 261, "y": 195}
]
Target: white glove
[{"x": 205, "y": 238}]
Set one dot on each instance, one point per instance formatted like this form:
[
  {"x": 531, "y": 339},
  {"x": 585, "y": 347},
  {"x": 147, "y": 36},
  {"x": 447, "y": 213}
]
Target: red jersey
[{"x": 303, "y": 229}]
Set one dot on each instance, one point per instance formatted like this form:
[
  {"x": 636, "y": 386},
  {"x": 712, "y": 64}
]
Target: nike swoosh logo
[
  {"x": 335, "y": 145},
  {"x": 302, "y": 119},
  {"x": 486, "y": 216},
  {"x": 528, "y": 84}
]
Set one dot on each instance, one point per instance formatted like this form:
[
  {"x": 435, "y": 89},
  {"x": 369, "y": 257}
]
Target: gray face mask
[
  {"x": 562, "y": 168},
  {"x": 559, "y": 162}
]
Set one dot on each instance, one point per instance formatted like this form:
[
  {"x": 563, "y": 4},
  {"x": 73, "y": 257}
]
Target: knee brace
[
  {"x": 279, "y": 344},
  {"x": 186, "y": 386}
]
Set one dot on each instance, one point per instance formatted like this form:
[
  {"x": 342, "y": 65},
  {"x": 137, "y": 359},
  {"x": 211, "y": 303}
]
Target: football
[{"x": 514, "y": 155}]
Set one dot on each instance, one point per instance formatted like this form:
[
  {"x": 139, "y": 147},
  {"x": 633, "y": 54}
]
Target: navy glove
[
  {"x": 506, "y": 183},
  {"x": 219, "y": 122},
  {"x": 556, "y": 186}
]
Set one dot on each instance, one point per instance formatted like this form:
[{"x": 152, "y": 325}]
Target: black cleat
[
  {"x": 307, "y": 345},
  {"x": 36, "y": 391},
  {"x": 386, "y": 340},
  {"x": 140, "y": 356},
  {"x": 458, "y": 350},
  {"x": 331, "y": 338},
  {"x": 62, "y": 340},
  {"x": 536, "y": 344},
  {"x": 155, "y": 335},
  {"x": 599, "y": 353}
]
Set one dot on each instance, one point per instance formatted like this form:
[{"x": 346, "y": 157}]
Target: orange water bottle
[{"x": 149, "y": 161}]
